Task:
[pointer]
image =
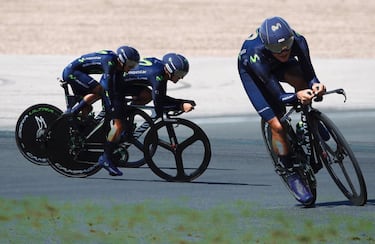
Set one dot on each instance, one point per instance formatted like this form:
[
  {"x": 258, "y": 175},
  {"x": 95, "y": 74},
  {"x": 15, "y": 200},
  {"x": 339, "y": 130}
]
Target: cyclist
[
  {"x": 150, "y": 72},
  {"x": 274, "y": 54},
  {"x": 155, "y": 73},
  {"x": 108, "y": 63},
  {"x": 112, "y": 66}
]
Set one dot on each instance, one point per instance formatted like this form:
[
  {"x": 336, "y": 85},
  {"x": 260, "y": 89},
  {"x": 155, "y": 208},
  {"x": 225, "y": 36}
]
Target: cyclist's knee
[
  {"x": 98, "y": 90},
  {"x": 144, "y": 97}
]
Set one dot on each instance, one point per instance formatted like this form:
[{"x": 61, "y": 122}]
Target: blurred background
[{"x": 334, "y": 29}]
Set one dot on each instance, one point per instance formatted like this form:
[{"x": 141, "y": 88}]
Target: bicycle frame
[
  {"x": 308, "y": 142},
  {"x": 306, "y": 113}
]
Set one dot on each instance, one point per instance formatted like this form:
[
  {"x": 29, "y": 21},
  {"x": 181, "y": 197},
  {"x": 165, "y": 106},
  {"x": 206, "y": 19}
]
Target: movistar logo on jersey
[
  {"x": 81, "y": 60},
  {"x": 137, "y": 72},
  {"x": 110, "y": 63},
  {"x": 159, "y": 78},
  {"x": 103, "y": 52},
  {"x": 145, "y": 62},
  {"x": 254, "y": 58}
]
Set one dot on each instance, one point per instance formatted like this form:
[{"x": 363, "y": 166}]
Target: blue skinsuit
[
  {"x": 104, "y": 62},
  {"x": 150, "y": 72},
  {"x": 261, "y": 74},
  {"x": 77, "y": 72}
]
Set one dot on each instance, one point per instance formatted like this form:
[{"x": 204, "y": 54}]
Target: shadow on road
[
  {"x": 370, "y": 202},
  {"x": 163, "y": 181}
]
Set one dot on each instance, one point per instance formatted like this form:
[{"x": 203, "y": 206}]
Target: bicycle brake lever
[
  {"x": 338, "y": 91},
  {"x": 342, "y": 92}
]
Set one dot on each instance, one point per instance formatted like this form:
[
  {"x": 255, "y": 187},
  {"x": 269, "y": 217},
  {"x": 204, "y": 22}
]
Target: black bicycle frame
[{"x": 308, "y": 141}]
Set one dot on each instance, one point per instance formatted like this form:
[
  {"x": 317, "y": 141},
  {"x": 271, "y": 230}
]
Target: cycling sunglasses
[
  {"x": 180, "y": 74},
  {"x": 281, "y": 47}
]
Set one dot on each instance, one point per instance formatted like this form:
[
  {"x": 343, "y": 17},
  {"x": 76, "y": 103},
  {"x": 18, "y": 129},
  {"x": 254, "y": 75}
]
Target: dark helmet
[
  {"x": 276, "y": 34},
  {"x": 126, "y": 53},
  {"x": 176, "y": 64}
]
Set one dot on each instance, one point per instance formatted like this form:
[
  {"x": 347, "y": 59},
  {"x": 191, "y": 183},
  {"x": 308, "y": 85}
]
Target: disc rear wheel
[{"x": 30, "y": 131}]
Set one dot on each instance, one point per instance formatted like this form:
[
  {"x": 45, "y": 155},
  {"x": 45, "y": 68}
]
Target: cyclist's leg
[
  {"x": 113, "y": 138},
  {"x": 143, "y": 97},
  {"x": 292, "y": 73},
  {"x": 140, "y": 93},
  {"x": 268, "y": 108},
  {"x": 280, "y": 144},
  {"x": 84, "y": 85}
]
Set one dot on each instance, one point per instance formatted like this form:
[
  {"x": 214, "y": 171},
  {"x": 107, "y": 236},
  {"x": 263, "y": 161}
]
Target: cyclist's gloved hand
[
  {"x": 305, "y": 96},
  {"x": 187, "y": 107},
  {"x": 319, "y": 89}
]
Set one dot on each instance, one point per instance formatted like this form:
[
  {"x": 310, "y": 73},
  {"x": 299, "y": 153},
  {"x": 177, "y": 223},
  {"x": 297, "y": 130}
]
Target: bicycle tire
[
  {"x": 305, "y": 171},
  {"x": 171, "y": 159},
  {"x": 63, "y": 140},
  {"x": 141, "y": 123},
  {"x": 340, "y": 161},
  {"x": 30, "y": 131}
]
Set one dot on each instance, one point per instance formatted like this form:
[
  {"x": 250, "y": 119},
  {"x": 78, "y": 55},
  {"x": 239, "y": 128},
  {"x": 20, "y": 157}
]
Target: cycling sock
[
  {"x": 109, "y": 148},
  {"x": 287, "y": 160}
]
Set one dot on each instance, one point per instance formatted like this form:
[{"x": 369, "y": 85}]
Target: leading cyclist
[{"x": 275, "y": 53}]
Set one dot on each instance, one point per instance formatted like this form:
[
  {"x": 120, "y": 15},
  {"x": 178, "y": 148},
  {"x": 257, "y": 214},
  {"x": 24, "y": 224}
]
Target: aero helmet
[
  {"x": 276, "y": 34},
  {"x": 176, "y": 64},
  {"x": 128, "y": 54}
]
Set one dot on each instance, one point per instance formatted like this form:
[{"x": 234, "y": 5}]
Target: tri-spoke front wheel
[{"x": 177, "y": 150}]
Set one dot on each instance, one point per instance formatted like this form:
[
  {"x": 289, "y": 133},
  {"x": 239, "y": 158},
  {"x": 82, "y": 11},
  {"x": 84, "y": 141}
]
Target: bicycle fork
[{"x": 174, "y": 147}]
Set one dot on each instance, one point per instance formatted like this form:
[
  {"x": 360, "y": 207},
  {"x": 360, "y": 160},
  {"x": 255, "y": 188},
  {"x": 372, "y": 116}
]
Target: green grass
[{"x": 39, "y": 220}]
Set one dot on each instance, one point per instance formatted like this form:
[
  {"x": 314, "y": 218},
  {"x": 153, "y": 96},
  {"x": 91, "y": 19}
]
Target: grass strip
[{"x": 39, "y": 220}]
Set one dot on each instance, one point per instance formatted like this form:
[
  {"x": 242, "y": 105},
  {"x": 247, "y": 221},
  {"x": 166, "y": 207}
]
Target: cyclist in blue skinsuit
[
  {"x": 274, "y": 54},
  {"x": 112, "y": 66},
  {"x": 150, "y": 72},
  {"x": 155, "y": 73}
]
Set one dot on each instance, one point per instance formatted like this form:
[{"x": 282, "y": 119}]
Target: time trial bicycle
[
  {"x": 174, "y": 148},
  {"x": 71, "y": 144},
  {"x": 315, "y": 142},
  {"x": 32, "y": 126}
]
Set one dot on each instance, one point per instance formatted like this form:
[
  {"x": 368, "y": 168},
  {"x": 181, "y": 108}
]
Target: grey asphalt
[{"x": 240, "y": 170}]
